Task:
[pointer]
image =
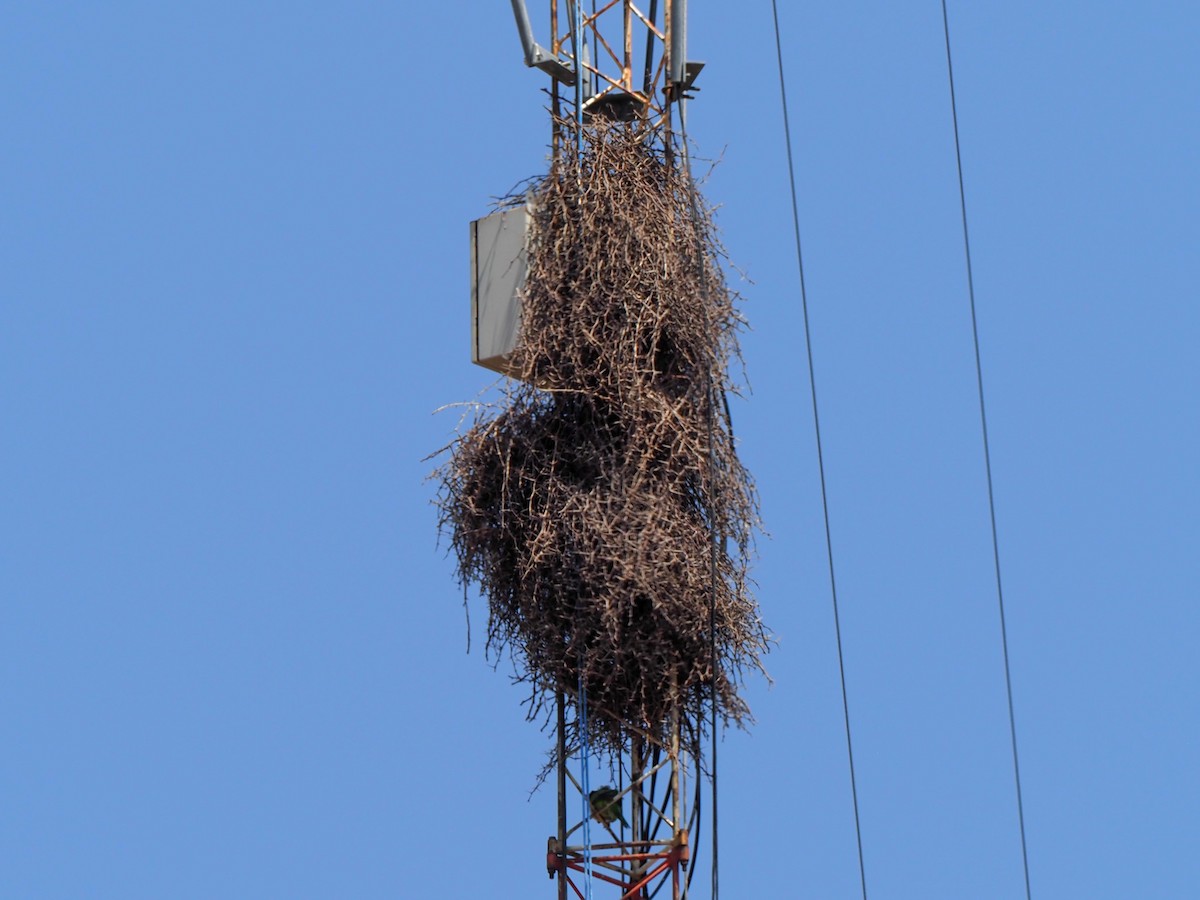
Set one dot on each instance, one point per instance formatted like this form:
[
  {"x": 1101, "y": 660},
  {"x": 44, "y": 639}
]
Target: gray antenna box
[{"x": 499, "y": 263}]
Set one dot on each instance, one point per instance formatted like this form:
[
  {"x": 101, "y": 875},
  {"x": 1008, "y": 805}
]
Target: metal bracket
[
  {"x": 537, "y": 56},
  {"x": 677, "y": 90},
  {"x": 690, "y": 71}
]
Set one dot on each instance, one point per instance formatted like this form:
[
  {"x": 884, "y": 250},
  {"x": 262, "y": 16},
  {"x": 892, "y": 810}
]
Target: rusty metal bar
[
  {"x": 574, "y": 781},
  {"x": 562, "y": 788},
  {"x": 556, "y": 110},
  {"x": 599, "y": 38},
  {"x": 675, "y": 790},
  {"x": 666, "y": 845},
  {"x": 668, "y": 12},
  {"x": 646, "y": 879},
  {"x": 635, "y": 777},
  {"x": 648, "y": 21},
  {"x": 606, "y": 862},
  {"x": 578, "y": 893},
  {"x": 627, "y": 68},
  {"x": 599, "y": 875}
]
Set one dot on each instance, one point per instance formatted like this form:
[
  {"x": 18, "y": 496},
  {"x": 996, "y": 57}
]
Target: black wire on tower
[
  {"x": 987, "y": 456},
  {"x": 812, "y": 381},
  {"x": 714, "y": 537}
]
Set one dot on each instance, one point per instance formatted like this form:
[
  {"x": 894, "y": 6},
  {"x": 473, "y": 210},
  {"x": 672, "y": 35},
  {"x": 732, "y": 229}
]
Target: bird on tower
[{"x": 606, "y": 808}]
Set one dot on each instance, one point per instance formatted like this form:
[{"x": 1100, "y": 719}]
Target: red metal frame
[
  {"x": 673, "y": 860},
  {"x": 653, "y": 774}
]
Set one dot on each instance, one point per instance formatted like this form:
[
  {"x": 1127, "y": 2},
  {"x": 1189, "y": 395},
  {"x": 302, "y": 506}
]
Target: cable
[
  {"x": 585, "y": 778},
  {"x": 577, "y": 49},
  {"x": 713, "y": 544},
  {"x": 787, "y": 131},
  {"x": 987, "y": 456},
  {"x": 585, "y": 781},
  {"x": 712, "y": 619}
]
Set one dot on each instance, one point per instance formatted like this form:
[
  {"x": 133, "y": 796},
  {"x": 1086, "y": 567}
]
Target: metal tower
[
  {"x": 614, "y": 60},
  {"x": 660, "y": 784},
  {"x": 633, "y": 63}
]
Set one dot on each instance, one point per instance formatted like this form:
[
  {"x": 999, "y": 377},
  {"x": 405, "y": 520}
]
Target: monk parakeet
[{"x": 606, "y": 808}]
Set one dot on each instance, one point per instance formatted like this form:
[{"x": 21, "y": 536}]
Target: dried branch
[{"x": 585, "y": 508}]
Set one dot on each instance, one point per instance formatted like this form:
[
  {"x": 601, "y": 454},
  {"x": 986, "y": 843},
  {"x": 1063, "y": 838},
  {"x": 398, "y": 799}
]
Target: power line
[
  {"x": 987, "y": 456},
  {"x": 812, "y": 381}
]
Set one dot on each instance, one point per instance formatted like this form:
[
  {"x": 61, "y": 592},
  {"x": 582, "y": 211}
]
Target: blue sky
[{"x": 233, "y": 289}]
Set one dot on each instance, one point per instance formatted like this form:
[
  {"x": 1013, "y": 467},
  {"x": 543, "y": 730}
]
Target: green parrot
[{"x": 606, "y": 808}]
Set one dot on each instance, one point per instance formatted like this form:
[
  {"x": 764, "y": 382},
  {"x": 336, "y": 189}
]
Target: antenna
[{"x": 606, "y": 55}]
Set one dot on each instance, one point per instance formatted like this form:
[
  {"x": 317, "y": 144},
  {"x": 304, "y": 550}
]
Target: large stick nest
[{"x": 594, "y": 509}]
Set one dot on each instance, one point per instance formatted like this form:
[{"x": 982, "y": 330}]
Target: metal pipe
[
  {"x": 577, "y": 47},
  {"x": 676, "y": 762},
  {"x": 637, "y": 770},
  {"x": 525, "y": 29},
  {"x": 648, "y": 75},
  {"x": 678, "y": 57},
  {"x": 627, "y": 66}
]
